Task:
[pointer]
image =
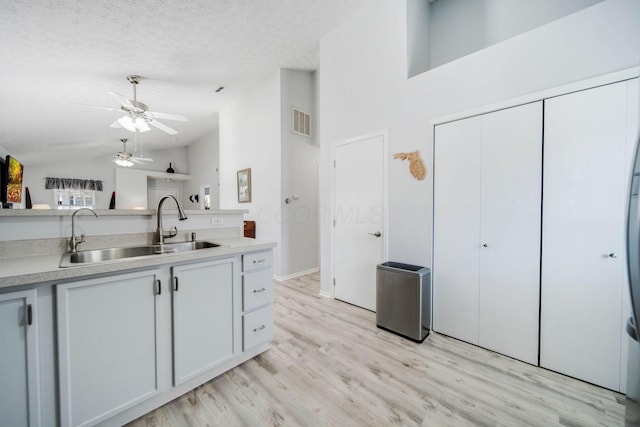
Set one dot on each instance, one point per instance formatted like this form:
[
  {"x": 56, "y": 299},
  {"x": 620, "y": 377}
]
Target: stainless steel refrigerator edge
[{"x": 632, "y": 409}]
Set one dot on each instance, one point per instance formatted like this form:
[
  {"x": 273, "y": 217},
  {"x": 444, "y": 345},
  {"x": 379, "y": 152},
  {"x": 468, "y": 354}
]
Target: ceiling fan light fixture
[
  {"x": 141, "y": 124},
  {"x": 127, "y": 123},
  {"x": 125, "y": 163}
]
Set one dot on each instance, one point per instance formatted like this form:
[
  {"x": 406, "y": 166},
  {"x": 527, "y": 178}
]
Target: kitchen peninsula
[{"x": 103, "y": 343}]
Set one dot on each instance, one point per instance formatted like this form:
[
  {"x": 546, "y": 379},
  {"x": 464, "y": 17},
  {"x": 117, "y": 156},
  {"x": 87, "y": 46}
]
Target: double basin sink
[{"x": 112, "y": 254}]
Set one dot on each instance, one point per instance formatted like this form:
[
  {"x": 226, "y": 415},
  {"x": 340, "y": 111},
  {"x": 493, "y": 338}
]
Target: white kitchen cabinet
[
  {"x": 19, "y": 382},
  {"x": 257, "y": 299},
  {"x": 487, "y": 194},
  {"x": 257, "y": 289},
  {"x": 108, "y": 344},
  {"x": 203, "y": 314},
  {"x": 257, "y": 327},
  {"x": 589, "y": 141}
]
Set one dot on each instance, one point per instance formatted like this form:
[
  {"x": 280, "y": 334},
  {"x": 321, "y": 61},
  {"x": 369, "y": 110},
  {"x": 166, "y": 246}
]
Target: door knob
[
  {"x": 485, "y": 245},
  {"x": 376, "y": 234},
  {"x": 613, "y": 255}
]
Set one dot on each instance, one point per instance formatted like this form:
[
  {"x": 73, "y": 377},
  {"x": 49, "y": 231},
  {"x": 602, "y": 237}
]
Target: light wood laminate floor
[{"x": 330, "y": 366}]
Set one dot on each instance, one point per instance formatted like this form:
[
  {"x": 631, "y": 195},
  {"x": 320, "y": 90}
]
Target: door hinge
[
  {"x": 334, "y": 163},
  {"x": 334, "y": 222},
  {"x": 334, "y": 281}
]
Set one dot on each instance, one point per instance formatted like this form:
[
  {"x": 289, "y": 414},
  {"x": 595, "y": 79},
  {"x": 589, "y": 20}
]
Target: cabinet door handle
[
  {"x": 255, "y": 291},
  {"x": 29, "y": 314},
  {"x": 613, "y": 255},
  {"x": 259, "y": 328},
  {"x": 175, "y": 284},
  {"x": 258, "y": 261},
  {"x": 485, "y": 245},
  {"x": 158, "y": 287}
]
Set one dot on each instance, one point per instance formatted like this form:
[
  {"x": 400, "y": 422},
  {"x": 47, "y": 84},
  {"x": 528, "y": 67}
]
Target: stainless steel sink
[{"x": 111, "y": 254}]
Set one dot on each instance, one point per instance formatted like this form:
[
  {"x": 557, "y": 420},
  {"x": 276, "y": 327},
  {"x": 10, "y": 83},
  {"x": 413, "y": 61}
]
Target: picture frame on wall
[{"x": 244, "y": 185}]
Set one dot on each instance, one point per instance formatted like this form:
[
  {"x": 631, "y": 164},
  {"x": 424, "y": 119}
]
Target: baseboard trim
[
  {"x": 325, "y": 294},
  {"x": 294, "y": 275}
]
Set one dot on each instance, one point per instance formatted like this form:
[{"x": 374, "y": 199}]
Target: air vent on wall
[{"x": 301, "y": 123}]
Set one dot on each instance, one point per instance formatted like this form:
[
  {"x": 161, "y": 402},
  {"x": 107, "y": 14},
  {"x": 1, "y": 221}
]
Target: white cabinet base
[
  {"x": 108, "y": 345},
  {"x": 19, "y": 379},
  {"x": 202, "y": 317}
]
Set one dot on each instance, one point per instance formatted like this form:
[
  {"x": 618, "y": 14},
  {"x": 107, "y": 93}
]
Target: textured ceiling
[{"x": 53, "y": 53}]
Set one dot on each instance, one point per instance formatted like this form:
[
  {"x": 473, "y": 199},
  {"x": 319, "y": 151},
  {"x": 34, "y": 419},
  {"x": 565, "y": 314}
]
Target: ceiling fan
[
  {"x": 137, "y": 116},
  {"x": 126, "y": 159}
]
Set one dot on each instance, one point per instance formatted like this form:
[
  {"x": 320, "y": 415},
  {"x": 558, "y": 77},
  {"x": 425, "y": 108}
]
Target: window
[{"x": 74, "y": 199}]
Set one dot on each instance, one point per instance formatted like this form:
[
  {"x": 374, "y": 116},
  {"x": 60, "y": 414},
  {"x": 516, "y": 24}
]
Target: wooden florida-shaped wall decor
[{"x": 416, "y": 167}]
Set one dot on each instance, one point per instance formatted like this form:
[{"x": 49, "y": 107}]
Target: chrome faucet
[
  {"x": 74, "y": 242},
  {"x": 160, "y": 233}
]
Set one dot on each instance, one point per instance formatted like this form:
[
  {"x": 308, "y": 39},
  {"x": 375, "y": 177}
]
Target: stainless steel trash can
[{"x": 403, "y": 299}]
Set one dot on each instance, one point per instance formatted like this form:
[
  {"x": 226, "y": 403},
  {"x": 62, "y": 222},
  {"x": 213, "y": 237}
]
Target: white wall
[
  {"x": 300, "y": 158},
  {"x": 418, "y": 37},
  {"x": 250, "y": 137},
  {"x": 363, "y": 89},
  {"x": 99, "y": 168},
  {"x": 255, "y": 132},
  {"x": 204, "y": 162},
  {"x": 461, "y": 27}
]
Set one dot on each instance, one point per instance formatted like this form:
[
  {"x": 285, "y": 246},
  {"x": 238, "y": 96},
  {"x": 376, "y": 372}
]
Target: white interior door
[
  {"x": 510, "y": 231},
  {"x": 583, "y": 262},
  {"x": 359, "y": 214},
  {"x": 456, "y": 232}
]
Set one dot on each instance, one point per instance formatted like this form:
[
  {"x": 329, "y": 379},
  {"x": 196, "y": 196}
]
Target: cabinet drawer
[
  {"x": 257, "y": 289},
  {"x": 257, "y": 327},
  {"x": 256, "y": 260}
]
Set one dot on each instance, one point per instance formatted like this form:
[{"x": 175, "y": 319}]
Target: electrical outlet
[{"x": 216, "y": 221}]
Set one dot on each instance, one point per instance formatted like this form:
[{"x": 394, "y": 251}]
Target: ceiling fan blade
[
  {"x": 167, "y": 116},
  {"x": 140, "y": 159},
  {"x": 123, "y": 100},
  {"x": 115, "y": 124},
  {"x": 163, "y": 127},
  {"x": 93, "y": 106}
]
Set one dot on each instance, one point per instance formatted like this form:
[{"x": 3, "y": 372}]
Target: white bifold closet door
[
  {"x": 486, "y": 268},
  {"x": 589, "y": 143}
]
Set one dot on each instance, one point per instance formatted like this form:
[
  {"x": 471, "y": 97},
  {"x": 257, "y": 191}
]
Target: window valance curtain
[{"x": 72, "y": 183}]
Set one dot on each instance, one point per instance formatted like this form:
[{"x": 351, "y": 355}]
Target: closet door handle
[{"x": 29, "y": 314}]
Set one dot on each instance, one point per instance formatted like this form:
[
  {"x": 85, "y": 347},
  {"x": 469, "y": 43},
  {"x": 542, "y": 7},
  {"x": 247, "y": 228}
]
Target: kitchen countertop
[
  {"x": 113, "y": 212},
  {"x": 45, "y": 268}
]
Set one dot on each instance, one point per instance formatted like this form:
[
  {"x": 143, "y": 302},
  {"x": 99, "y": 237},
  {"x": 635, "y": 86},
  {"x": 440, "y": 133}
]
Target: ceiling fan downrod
[{"x": 134, "y": 79}]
